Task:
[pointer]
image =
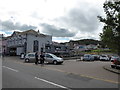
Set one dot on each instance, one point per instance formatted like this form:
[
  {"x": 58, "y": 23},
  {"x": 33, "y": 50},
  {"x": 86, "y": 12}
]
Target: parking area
[{"x": 92, "y": 69}]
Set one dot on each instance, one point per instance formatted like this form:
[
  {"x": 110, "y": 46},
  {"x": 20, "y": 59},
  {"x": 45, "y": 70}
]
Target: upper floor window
[{"x": 35, "y": 45}]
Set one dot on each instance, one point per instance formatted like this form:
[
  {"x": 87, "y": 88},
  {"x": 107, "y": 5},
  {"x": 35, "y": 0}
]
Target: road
[{"x": 16, "y": 74}]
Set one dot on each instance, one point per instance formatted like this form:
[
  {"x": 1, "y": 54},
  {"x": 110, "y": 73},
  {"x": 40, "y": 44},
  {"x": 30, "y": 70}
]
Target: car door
[
  {"x": 31, "y": 57},
  {"x": 48, "y": 58},
  {"x": 86, "y": 57}
]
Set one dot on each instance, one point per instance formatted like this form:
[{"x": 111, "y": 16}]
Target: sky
[{"x": 63, "y": 19}]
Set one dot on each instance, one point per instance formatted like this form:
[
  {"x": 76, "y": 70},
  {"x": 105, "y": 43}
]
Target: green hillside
[{"x": 85, "y": 42}]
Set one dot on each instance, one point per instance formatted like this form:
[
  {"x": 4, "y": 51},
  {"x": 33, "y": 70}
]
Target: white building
[
  {"x": 1, "y": 35},
  {"x": 27, "y": 41}
]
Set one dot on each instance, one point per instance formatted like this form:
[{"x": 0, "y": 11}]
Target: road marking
[
  {"x": 10, "y": 68},
  {"x": 52, "y": 83},
  {"x": 106, "y": 80}
]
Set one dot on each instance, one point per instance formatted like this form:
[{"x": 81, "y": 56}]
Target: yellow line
[
  {"x": 74, "y": 73},
  {"x": 101, "y": 79},
  {"x": 85, "y": 76}
]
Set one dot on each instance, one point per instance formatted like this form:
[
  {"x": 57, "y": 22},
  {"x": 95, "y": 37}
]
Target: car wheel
[
  {"x": 39, "y": 62},
  {"x": 55, "y": 62},
  {"x": 112, "y": 66},
  {"x": 26, "y": 60}
]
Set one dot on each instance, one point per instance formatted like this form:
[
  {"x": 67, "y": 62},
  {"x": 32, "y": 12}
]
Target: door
[
  {"x": 31, "y": 57},
  {"x": 48, "y": 58}
]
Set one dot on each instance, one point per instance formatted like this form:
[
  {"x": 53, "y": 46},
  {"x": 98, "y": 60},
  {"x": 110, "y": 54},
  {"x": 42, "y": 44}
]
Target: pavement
[{"x": 108, "y": 68}]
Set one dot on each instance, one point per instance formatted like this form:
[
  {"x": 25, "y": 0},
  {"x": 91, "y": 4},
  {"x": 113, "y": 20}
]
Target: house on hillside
[
  {"x": 85, "y": 47},
  {"x": 80, "y": 47},
  {"x": 91, "y": 46},
  {"x": 58, "y": 49},
  {"x": 27, "y": 41}
]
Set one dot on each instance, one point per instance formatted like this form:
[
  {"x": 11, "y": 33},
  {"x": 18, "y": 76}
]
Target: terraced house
[{"x": 27, "y": 41}]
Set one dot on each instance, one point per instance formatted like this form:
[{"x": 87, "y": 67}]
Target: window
[
  {"x": 48, "y": 56},
  {"x": 25, "y": 47},
  {"x": 31, "y": 55},
  {"x": 35, "y": 46}
]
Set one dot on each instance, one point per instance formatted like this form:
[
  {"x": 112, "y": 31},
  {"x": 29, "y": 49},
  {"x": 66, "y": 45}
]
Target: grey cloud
[
  {"x": 83, "y": 19},
  {"x": 55, "y": 31},
  {"x": 8, "y": 25}
]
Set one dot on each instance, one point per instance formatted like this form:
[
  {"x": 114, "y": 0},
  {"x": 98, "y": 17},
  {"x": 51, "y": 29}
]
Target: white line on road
[
  {"x": 10, "y": 68},
  {"x": 52, "y": 83}
]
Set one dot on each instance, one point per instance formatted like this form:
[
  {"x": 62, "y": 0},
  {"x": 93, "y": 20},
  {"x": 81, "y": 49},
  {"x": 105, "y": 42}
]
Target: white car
[{"x": 104, "y": 57}]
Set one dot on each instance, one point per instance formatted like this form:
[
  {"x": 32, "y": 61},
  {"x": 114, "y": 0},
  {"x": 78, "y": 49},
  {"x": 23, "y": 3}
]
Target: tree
[{"x": 111, "y": 29}]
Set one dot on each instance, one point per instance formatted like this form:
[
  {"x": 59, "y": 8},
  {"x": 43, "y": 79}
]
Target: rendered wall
[{"x": 0, "y": 62}]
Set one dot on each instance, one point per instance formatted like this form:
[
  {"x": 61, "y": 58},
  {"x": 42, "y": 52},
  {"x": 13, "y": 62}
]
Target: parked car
[
  {"x": 113, "y": 58},
  {"x": 30, "y": 57},
  {"x": 88, "y": 57},
  {"x": 49, "y": 58},
  {"x": 104, "y": 57},
  {"x": 96, "y": 57},
  {"x": 116, "y": 63}
]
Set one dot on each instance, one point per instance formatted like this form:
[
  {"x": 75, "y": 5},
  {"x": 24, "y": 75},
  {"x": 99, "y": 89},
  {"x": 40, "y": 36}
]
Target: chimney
[{"x": 38, "y": 31}]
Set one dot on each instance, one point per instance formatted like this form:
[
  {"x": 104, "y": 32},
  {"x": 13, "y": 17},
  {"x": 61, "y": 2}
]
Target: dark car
[
  {"x": 96, "y": 57},
  {"x": 116, "y": 63}
]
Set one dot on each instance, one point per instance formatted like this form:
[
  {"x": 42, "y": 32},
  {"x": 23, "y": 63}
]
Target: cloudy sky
[{"x": 63, "y": 19}]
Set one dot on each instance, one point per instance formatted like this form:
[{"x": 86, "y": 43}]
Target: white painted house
[
  {"x": 27, "y": 41},
  {"x": 1, "y": 35}
]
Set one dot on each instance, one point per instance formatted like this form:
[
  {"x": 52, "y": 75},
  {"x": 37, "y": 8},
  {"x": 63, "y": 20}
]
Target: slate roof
[{"x": 31, "y": 31}]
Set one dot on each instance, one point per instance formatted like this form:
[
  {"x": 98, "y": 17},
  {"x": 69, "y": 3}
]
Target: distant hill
[{"x": 85, "y": 41}]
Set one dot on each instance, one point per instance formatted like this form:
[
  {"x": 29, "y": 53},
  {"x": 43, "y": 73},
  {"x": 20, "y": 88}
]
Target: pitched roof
[{"x": 31, "y": 31}]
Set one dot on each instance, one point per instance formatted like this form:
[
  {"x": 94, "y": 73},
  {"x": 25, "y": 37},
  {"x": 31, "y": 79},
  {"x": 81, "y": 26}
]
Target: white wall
[
  {"x": 19, "y": 50},
  {"x": 42, "y": 42}
]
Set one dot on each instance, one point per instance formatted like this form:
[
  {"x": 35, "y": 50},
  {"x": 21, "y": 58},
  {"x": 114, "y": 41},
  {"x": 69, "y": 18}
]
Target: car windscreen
[
  {"x": 103, "y": 56},
  {"x": 53, "y": 55},
  {"x": 48, "y": 56},
  {"x": 31, "y": 55},
  {"x": 118, "y": 59}
]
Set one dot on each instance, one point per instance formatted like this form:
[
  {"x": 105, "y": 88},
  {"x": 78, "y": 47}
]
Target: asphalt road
[{"x": 16, "y": 74}]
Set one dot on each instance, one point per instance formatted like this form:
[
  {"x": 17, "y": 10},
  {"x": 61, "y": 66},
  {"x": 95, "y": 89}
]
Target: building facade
[
  {"x": 1, "y": 49},
  {"x": 27, "y": 41}
]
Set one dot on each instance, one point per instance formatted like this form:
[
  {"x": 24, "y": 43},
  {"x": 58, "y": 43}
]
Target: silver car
[
  {"x": 30, "y": 57},
  {"x": 88, "y": 57},
  {"x": 49, "y": 58}
]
